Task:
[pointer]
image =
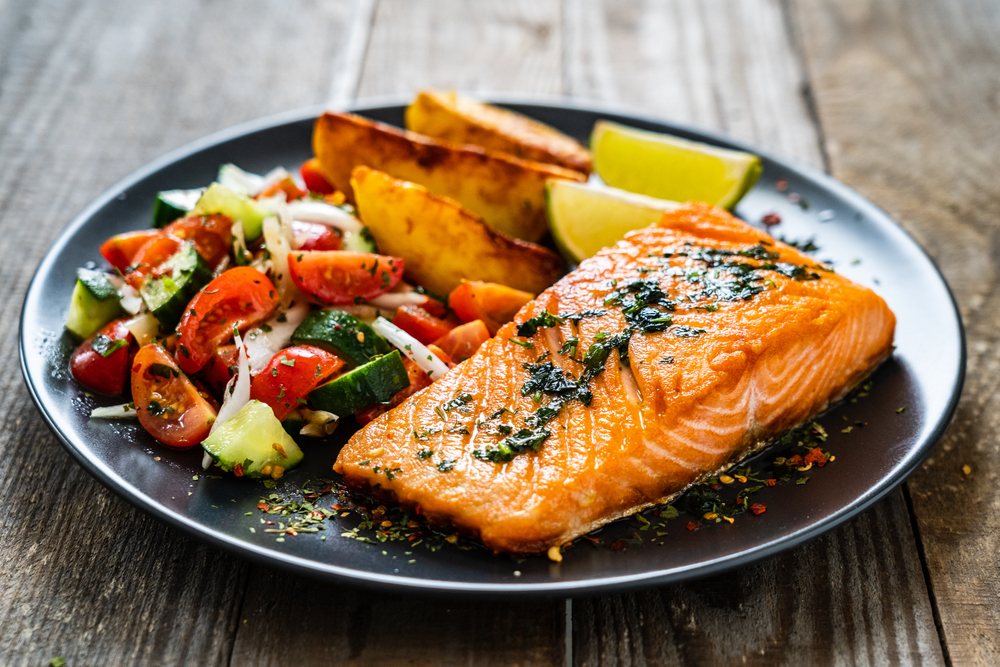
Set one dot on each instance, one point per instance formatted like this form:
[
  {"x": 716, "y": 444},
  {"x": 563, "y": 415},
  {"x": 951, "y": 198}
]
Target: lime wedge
[
  {"x": 585, "y": 218},
  {"x": 668, "y": 167}
]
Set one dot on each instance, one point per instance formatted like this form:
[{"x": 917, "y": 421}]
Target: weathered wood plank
[
  {"x": 734, "y": 68},
  {"x": 457, "y": 45},
  {"x": 287, "y": 620},
  {"x": 89, "y": 92},
  {"x": 909, "y": 97}
]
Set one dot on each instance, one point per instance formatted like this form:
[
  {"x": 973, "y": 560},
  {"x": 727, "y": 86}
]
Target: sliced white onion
[
  {"x": 411, "y": 347},
  {"x": 278, "y": 245},
  {"x": 144, "y": 328},
  {"x": 393, "y": 300},
  {"x": 239, "y": 241},
  {"x": 240, "y": 181},
  {"x": 276, "y": 175},
  {"x": 131, "y": 301},
  {"x": 309, "y": 210},
  {"x": 261, "y": 346},
  {"x": 122, "y": 411},
  {"x": 237, "y": 393}
]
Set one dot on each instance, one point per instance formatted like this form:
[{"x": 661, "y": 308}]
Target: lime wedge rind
[{"x": 669, "y": 167}]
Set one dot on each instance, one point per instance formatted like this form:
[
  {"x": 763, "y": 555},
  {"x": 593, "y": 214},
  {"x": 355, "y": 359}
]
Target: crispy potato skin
[
  {"x": 445, "y": 115},
  {"x": 443, "y": 243},
  {"x": 507, "y": 192}
]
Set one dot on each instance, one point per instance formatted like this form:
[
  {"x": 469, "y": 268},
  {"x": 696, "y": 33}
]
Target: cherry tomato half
[
  {"x": 420, "y": 324},
  {"x": 211, "y": 235},
  {"x": 334, "y": 276},
  {"x": 314, "y": 236},
  {"x": 120, "y": 250},
  {"x": 463, "y": 341},
  {"x": 170, "y": 407},
  {"x": 155, "y": 252},
  {"x": 291, "y": 375},
  {"x": 313, "y": 177},
  {"x": 286, "y": 185},
  {"x": 219, "y": 369},
  {"x": 241, "y": 297},
  {"x": 101, "y": 363},
  {"x": 494, "y": 304}
]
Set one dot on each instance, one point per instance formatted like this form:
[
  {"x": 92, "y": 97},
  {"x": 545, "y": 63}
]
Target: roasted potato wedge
[
  {"x": 445, "y": 115},
  {"x": 507, "y": 192},
  {"x": 442, "y": 243}
]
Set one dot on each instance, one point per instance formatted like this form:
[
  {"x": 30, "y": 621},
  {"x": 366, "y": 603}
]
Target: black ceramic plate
[{"x": 924, "y": 375}]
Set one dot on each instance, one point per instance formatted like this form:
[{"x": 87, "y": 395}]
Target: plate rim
[{"x": 416, "y": 585}]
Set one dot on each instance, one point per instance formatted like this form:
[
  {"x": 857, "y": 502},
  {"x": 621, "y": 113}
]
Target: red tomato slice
[
  {"x": 212, "y": 235},
  {"x": 241, "y": 297},
  {"x": 494, "y": 304},
  {"x": 314, "y": 236},
  {"x": 335, "y": 276},
  {"x": 291, "y": 375},
  {"x": 155, "y": 252},
  {"x": 463, "y": 341},
  {"x": 420, "y": 324},
  {"x": 170, "y": 407},
  {"x": 219, "y": 369},
  {"x": 120, "y": 250},
  {"x": 286, "y": 185},
  {"x": 101, "y": 363},
  {"x": 418, "y": 380},
  {"x": 314, "y": 179}
]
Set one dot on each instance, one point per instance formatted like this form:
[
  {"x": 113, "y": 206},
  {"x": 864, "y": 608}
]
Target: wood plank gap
[
  {"x": 931, "y": 595},
  {"x": 349, "y": 61},
  {"x": 808, "y": 97},
  {"x": 568, "y": 637},
  {"x": 244, "y": 587}
]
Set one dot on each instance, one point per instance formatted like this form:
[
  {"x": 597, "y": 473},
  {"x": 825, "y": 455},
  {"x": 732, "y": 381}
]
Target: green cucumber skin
[
  {"x": 375, "y": 382},
  {"x": 189, "y": 272},
  {"x": 92, "y": 306},
  {"x": 363, "y": 241},
  {"x": 167, "y": 206},
  {"x": 320, "y": 328}
]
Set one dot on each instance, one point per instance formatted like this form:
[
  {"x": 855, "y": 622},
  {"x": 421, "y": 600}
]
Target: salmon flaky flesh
[{"x": 656, "y": 364}]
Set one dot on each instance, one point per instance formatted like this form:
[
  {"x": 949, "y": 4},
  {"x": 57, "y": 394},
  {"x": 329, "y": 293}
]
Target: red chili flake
[
  {"x": 263, "y": 507},
  {"x": 715, "y": 486},
  {"x": 291, "y": 532},
  {"x": 772, "y": 482},
  {"x": 692, "y": 526},
  {"x": 794, "y": 461},
  {"x": 337, "y": 507},
  {"x": 595, "y": 540},
  {"x": 317, "y": 515},
  {"x": 816, "y": 456},
  {"x": 771, "y": 219},
  {"x": 782, "y": 185},
  {"x": 269, "y": 523},
  {"x": 758, "y": 509},
  {"x": 618, "y": 545},
  {"x": 238, "y": 470},
  {"x": 412, "y": 537},
  {"x": 739, "y": 501}
]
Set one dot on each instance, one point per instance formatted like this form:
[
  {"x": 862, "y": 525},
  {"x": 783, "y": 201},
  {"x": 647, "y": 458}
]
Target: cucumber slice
[
  {"x": 255, "y": 440},
  {"x": 182, "y": 276},
  {"x": 94, "y": 303},
  {"x": 375, "y": 382},
  {"x": 363, "y": 241},
  {"x": 172, "y": 204},
  {"x": 240, "y": 208},
  {"x": 345, "y": 335}
]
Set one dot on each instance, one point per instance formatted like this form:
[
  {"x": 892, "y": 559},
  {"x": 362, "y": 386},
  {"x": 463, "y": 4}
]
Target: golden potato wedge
[
  {"x": 442, "y": 243},
  {"x": 507, "y": 192},
  {"x": 445, "y": 115}
]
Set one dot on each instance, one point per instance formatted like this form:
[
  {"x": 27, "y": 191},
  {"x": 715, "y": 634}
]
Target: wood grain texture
[
  {"x": 909, "y": 97},
  {"x": 500, "y": 45},
  {"x": 348, "y": 626},
  {"x": 733, "y": 67},
  {"x": 88, "y": 93}
]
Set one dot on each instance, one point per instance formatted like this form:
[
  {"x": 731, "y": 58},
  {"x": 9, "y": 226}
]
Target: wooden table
[{"x": 898, "y": 98}]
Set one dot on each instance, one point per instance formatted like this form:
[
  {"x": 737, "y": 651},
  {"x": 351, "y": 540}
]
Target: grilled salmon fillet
[{"x": 652, "y": 366}]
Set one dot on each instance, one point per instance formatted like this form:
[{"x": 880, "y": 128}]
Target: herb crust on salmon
[{"x": 654, "y": 365}]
